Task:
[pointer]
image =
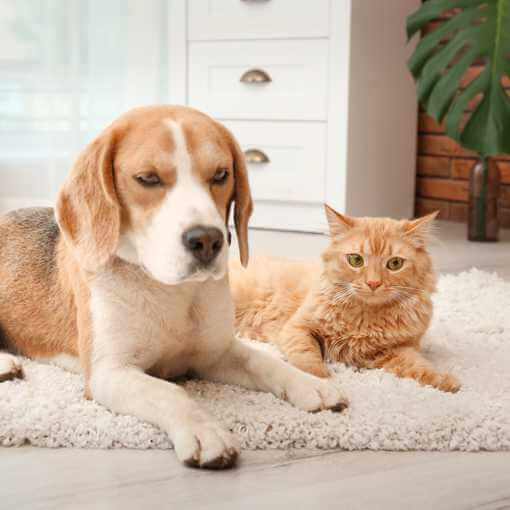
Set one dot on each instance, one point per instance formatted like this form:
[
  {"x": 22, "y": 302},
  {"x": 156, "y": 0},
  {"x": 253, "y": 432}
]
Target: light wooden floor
[{"x": 32, "y": 478}]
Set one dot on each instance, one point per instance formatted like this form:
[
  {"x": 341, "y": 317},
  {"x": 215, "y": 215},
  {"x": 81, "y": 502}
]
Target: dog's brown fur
[
  {"x": 45, "y": 267},
  {"x": 119, "y": 283},
  {"x": 32, "y": 289}
]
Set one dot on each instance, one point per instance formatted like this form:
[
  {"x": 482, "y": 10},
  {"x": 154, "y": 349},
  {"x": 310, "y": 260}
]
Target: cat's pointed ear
[
  {"x": 418, "y": 231},
  {"x": 339, "y": 224}
]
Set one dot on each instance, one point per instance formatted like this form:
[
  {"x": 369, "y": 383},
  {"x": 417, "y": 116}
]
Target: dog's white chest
[{"x": 166, "y": 330}]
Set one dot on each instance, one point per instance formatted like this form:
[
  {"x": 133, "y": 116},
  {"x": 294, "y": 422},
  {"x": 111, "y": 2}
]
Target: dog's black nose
[{"x": 203, "y": 242}]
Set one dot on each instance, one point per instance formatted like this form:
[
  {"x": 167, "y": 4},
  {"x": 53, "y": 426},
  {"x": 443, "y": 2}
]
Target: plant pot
[{"x": 483, "y": 223}]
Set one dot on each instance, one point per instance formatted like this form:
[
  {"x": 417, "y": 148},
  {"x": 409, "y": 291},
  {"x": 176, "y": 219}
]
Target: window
[{"x": 68, "y": 68}]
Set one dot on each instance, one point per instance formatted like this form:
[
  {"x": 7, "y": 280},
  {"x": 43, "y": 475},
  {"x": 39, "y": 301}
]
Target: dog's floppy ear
[
  {"x": 87, "y": 209},
  {"x": 242, "y": 197}
]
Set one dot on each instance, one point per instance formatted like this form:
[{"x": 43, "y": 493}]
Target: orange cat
[{"x": 366, "y": 303}]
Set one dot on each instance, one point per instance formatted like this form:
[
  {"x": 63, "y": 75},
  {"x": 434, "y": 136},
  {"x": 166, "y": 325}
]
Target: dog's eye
[
  {"x": 220, "y": 177},
  {"x": 148, "y": 180}
]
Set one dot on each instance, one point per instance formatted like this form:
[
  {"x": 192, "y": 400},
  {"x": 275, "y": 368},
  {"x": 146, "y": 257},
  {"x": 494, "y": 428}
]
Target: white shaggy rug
[{"x": 470, "y": 336}]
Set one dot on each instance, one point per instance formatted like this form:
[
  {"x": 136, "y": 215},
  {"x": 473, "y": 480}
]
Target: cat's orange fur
[{"x": 326, "y": 309}]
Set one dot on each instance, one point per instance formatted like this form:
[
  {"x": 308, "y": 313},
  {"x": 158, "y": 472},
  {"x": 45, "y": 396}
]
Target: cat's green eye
[
  {"x": 395, "y": 263},
  {"x": 355, "y": 260}
]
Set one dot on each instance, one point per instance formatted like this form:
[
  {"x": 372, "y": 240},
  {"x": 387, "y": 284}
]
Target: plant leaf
[
  {"x": 432, "y": 41},
  {"x": 430, "y": 10},
  {"x": 433, "y": 69},
  {"x": 480, "y": 30},
  {"x": 442, "y": 96}
]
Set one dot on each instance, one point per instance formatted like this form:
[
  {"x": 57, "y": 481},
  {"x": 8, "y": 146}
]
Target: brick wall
[
  {"x": 442, "y": 167},
  {"x": 442, "y": 180}
]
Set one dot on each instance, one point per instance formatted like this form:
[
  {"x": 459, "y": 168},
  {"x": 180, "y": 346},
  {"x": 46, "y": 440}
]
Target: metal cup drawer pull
[
  {"x": 255, "y": 156},
  {"x": 255, "y": 76}
]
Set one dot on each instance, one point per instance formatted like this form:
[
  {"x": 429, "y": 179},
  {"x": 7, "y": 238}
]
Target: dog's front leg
[
  {"x": 198, "y": 439},
  {"x": 257, "y": 370}
]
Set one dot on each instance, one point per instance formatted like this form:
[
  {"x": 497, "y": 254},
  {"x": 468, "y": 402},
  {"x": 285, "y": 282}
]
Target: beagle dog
[{"x": 127, "y": 282}]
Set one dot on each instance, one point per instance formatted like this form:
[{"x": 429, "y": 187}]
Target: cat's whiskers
[
  {"x": 337, "y": 292},
  {"x": 344, "y": 295},
  {"x": 407, "y": 302},
  {"x": 409, "y": 289},
  {"x": 402, "y": 294}
]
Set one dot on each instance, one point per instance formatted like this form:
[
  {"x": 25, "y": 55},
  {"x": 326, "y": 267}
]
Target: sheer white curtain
[{"x": 67, "y": 68}]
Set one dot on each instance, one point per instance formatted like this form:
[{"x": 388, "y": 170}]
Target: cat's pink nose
[{"x": 374, "y": 284}]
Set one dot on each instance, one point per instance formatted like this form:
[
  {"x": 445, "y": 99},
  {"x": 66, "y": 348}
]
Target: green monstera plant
[{"x": 476, "y": 31}]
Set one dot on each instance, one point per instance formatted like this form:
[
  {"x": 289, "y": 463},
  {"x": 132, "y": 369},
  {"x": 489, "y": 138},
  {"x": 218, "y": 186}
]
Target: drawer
[
  {"x": 257, "y": 19},
  {"x": 294, "y": 87},
  {"x": 295, "y": 170}
]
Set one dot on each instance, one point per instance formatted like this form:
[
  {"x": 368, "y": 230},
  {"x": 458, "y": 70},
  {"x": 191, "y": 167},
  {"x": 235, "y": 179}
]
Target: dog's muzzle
[{"x": 204, "y": 243}]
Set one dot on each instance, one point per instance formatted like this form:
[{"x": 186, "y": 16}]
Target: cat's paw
[
  {"x": 440, "y": 380},
  {"x": 447, "y": 382},
  {"x": 313, "y": 394}
]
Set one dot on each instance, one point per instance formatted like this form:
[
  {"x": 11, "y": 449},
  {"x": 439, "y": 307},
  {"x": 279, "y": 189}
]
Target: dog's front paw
[
  {"x": 313, "y": 394},
  {"x": 206, "y": 444},
  {"x": 10, "y": 367}
]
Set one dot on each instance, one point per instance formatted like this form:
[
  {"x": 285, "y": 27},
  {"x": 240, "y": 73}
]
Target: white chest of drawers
[{"x": 317, "y": 93}]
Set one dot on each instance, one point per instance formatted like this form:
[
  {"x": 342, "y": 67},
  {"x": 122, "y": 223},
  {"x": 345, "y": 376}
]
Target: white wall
[
  {"x": 68, "y": 68},
  {"x": 382, "y": 111}
]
